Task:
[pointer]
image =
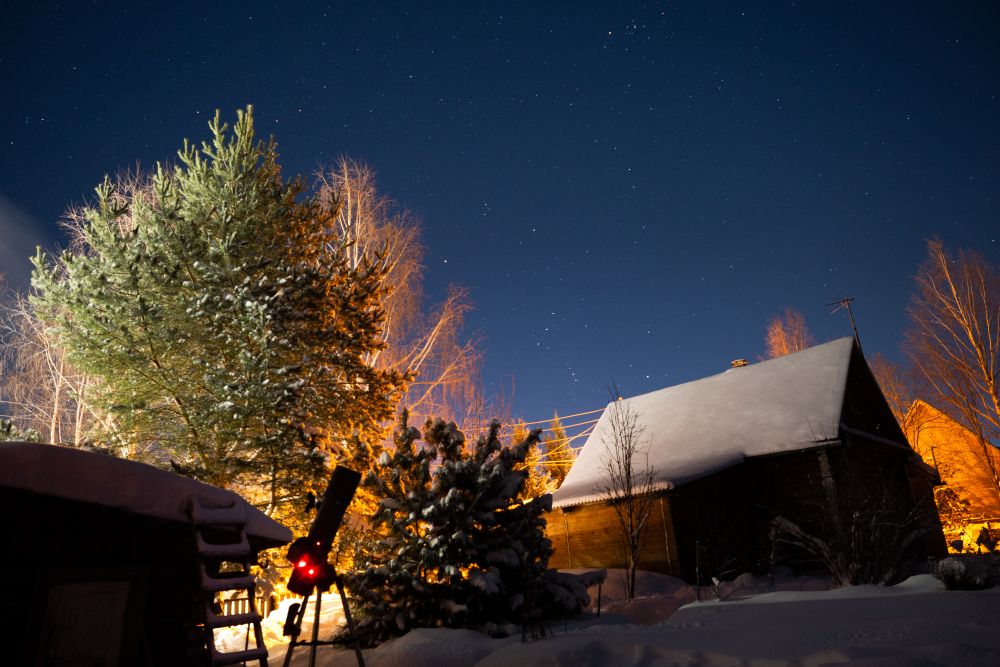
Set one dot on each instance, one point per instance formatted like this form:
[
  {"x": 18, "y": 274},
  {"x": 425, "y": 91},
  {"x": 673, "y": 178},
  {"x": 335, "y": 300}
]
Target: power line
[
  {"x": 567, "y": 441},
  {"x": 572, "y": 426},
  {"x": 515, "y": 424},
  {"x": 561, "y": 417}
]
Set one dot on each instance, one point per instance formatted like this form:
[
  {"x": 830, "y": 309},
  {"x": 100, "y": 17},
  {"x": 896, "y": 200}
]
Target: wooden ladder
[{"x": 220, "y": 536}]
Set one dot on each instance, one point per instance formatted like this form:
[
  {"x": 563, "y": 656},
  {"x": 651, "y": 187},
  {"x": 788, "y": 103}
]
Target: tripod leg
[
  {"x": 315, "y": 639},
  {"x": 298, "y": 628},
  {"x": 350, "y": 622}
]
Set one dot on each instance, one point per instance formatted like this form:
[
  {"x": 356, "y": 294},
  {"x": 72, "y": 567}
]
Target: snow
[
  {"x": 331, "y": 617},
  {"x": 76, "y": 474},
  {"x": 914, "y": 623},
  {"x": 697, "y": 428}
]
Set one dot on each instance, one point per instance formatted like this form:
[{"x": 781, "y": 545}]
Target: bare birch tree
[
  {"x": 426, "y": 343},
  {"x": 787, "y": 333},
  {"x": 628, "y": 482},
  {"x": 954, "y": 343},
  {"x": 897, "y": 385},
  {"x": 43, "y": 390}
]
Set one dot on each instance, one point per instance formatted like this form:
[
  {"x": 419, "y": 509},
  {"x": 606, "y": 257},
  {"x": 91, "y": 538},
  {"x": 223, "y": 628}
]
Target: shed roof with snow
[
  {"x": 698, "y": 428},
  {"x": 99, "y": 479}
]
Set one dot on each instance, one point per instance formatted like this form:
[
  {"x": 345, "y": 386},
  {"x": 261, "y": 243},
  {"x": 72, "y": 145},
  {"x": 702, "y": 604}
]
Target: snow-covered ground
[{"x": 795, "y": 622}]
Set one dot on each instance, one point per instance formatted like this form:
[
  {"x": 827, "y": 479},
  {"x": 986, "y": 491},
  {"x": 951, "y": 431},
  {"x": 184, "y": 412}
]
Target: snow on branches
[{"x": 457, "y": 547}]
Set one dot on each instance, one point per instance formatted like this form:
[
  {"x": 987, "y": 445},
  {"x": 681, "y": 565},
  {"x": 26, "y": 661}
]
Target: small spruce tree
[{"x": 456, "y": 546}]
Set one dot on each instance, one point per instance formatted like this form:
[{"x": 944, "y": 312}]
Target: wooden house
[
  {"x": 101, "y": 561},
  {"x": 969, "y": 468},
  {"x": 807, "y": 437}
]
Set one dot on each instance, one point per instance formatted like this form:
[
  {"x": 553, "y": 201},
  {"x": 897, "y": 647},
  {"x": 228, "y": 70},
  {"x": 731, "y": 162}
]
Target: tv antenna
[{"x": 845, "y": 303}]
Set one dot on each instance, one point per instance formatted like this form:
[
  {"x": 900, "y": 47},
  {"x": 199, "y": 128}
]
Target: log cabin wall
[
  {"x": 871, "y": 430},
  {"x": 719, "y": 525},
  {"x": 922, "y": 485},
  {"x": 587, "y": 536},
  {"x": 868, "y": 465},
  {"x": 716, "y": 526}
]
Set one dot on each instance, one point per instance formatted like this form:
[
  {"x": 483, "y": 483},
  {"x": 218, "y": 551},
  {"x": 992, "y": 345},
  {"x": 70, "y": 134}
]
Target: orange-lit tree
[
  {"x": 787, "y": 333},
  {"x": 898, "y": 385},
  {"x": 538, "y": 481},
  {"x": 559, "y": 454},
  {"x": 427, "y": 343},
  {"x": 954, "y": 343}
]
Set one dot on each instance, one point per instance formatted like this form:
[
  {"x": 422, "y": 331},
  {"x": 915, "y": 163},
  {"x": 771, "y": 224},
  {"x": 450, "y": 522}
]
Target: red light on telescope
[{"x": 302, "y": 563}]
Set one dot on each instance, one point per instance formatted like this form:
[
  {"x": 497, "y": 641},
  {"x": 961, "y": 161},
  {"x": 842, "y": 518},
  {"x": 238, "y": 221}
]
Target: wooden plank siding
[
  {"x": 587, "y": 536},
  {"x": 719, "y": 525}
]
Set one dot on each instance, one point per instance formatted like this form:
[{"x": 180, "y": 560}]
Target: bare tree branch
[
  {"x": 628, "y": 482},
  {"x": 426, "y": 343},
  {"x": 954, "y": 343},
  {"x": 787, "y": 333},
  {"x": 45, "y": 393}
]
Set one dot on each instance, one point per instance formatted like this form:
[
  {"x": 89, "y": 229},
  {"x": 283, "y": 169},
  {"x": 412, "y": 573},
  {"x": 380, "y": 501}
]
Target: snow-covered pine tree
[
  {"x": 216, "y": 310},
  {"x": 457, "y": 547},
  {"x": 509, "y": 539},
  {"x": 393, "y": 589}
]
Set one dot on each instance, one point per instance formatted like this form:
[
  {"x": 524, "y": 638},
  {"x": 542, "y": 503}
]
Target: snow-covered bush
[
  {"x": 863, "y": 527},
  {"x": 872, "y": 550},
  {"x": 456, "y": 546},
  {"x": 968, "y": 573},
  {"x": 10, "y": 432}
]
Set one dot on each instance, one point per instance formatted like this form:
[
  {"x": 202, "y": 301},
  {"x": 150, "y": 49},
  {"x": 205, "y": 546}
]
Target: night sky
[{"x": 630, "y": 191}]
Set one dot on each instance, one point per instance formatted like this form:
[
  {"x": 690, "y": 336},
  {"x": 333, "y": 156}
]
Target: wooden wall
[
  {"x": 51, "y": 539},
  {"x": 587, "y": 536},
  {"x": 719, "y": 525}
]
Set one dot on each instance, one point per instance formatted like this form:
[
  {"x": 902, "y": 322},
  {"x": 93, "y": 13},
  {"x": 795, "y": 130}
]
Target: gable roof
[
  {"x": 99, "y": 479},
  {"x": 698, "y": 428}
]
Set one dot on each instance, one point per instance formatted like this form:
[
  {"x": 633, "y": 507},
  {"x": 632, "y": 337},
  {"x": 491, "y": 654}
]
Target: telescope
[
  {"x": 311, "y": 567},
  {"x": 309, "y": 555}
]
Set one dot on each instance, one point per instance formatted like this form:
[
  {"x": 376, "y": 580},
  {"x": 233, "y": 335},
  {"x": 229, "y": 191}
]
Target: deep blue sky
[{"x": 629, "y": 190}]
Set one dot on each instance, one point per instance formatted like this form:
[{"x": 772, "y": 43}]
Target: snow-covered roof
[
  {"x": 700, "y": 427},
  {"x": 88, "y": 477}
]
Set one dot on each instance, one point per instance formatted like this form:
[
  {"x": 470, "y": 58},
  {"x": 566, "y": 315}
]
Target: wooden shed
[
  {"x": 101, "y": 561},
  {"x": 969, "y": 467},
  {"x": 807, "y": 437}
]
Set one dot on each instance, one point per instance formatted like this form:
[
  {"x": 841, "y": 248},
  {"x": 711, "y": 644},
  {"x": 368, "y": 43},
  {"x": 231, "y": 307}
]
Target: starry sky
[{"x": 629, "y": 190}]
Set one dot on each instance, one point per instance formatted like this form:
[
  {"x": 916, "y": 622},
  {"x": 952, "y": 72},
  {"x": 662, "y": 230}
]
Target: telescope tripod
[{"x": 293, "y": 626}]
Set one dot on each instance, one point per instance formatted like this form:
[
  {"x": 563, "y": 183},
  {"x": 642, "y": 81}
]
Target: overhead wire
[{"x": 561, "y": 417}]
